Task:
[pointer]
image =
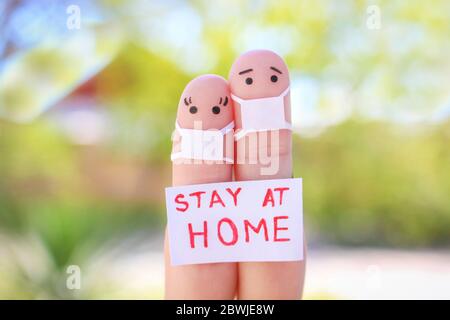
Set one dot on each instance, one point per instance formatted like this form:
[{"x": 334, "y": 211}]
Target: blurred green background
[{"x": 87, "y": 109}]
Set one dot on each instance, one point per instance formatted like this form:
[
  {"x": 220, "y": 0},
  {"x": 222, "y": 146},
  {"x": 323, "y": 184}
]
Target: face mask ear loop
[
  {"x": 237, "y": 99},
  {"x": 176, "y": 155},
  {"x": 177, "y": 126},
  {"x": 285, "y": 92},
  {"x": 240, "y": 134},
  {"x": 227, "y": 128}
]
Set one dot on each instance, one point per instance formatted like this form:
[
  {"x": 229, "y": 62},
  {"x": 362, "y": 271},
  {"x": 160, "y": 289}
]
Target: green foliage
[
  {"x": 140, "y": 88},
  {"x": 44, "y": 202},
  {"x": 375, "y": 183}
]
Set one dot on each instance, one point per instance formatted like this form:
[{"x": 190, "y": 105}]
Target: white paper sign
[{"x": 236, "y": 221}]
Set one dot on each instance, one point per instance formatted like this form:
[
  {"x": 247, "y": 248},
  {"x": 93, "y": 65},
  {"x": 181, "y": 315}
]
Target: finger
[
  {"x": 202, "y": 107},
  {"x": 263, "y": 151}
]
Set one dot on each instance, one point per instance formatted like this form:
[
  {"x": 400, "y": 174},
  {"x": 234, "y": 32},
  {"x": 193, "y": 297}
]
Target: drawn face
[
  {"x": 258, "y": 74},
  {"x": 206, "y": 99}
]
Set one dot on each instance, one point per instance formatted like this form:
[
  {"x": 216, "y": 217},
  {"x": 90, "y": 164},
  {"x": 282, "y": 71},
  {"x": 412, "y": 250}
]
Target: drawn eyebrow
[
  {"x": 245, "y": 71},
  {"x": 275, "y": 69}
]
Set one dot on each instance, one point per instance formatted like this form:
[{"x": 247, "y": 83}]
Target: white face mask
[
  {"x": 264, "y": 114},
  {"x": 202, "y": 144}
]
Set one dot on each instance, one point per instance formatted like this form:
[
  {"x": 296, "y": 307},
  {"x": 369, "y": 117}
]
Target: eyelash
[
  {"x": 225, "y": 101},
  {"x": 186, "y": 102}
]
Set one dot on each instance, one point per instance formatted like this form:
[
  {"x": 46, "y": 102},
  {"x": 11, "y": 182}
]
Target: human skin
[
  {"x": 264, "y": 280},
  {"x": 211, "y": 280}
]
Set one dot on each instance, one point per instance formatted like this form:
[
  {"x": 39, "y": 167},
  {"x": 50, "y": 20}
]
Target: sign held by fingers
[{"x": 258, "y": 220}]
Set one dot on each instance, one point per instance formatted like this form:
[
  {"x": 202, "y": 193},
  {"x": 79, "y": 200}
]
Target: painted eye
[
  {"x": 193, "y": 109},
  {"x": 249, "y": 81},
  {"x": 216, "y": 110},
  {"x": 274, "y": 78}
]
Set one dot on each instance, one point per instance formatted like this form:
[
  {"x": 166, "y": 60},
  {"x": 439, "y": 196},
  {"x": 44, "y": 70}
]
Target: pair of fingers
[{"x": 211, "y": 102}]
